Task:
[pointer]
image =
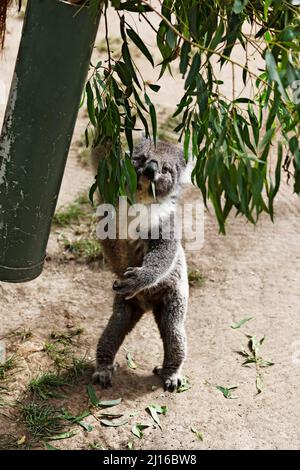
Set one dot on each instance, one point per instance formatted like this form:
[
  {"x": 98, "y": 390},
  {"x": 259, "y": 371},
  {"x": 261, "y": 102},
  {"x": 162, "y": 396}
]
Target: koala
[{"x": 152, "y": 273}]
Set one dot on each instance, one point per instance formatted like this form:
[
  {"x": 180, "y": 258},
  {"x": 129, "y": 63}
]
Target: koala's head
[{"x": 161, "y": 166}]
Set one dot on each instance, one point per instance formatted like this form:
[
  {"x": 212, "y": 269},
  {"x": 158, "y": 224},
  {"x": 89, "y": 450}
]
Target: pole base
[{"x": 20, "y": 274}]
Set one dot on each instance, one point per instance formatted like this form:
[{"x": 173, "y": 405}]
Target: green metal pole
[{"x": 49, "y": 77}]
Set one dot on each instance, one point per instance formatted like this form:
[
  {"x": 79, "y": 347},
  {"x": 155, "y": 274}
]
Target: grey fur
[{"x": 152, "y": 274}]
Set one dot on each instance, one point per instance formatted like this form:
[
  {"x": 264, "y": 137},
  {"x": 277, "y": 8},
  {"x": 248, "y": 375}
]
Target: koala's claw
[
  {"x": 132, "y": 272},
  {"x": 172, "y": 384},
  {"x": 129, "y": 286},
  {"x": 172, "y": 380},
  {"x": 103, "y": 375}
]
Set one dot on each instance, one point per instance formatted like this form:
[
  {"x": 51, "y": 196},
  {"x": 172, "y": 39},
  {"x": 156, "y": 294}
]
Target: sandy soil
[{"x": 250, "y": 272}]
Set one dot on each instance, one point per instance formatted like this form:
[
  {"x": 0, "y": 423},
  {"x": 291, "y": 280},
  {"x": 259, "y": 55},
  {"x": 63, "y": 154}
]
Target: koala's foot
[
  {"x": 172, "y": 380},
  {"x": 103, "y": 375}
]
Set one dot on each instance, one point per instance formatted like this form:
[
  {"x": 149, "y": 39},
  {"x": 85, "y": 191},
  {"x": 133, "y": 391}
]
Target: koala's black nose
[{"x": 150, "y": 169}]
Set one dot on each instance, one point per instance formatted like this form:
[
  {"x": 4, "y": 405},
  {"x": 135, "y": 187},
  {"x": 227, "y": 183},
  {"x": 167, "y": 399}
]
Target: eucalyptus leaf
[
  {"x": 227, "y": 391},
  {"x": 113, "y": 423},
  {"x": 198, "y": 433},
  {"x": 63, "y": 435},
  {"x": 240, "y": 323},
  {"x": 137, "y": 429}
]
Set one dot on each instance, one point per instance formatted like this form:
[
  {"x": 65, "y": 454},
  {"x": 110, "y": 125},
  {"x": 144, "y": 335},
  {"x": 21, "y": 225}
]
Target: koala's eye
[
  {"x": 139, "y": 159},
  {"x": 166, "y": 169},
  {"x": 142, "y": 158}
]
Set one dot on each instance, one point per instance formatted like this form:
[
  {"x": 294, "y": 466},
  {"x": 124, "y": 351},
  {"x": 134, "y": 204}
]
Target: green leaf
[
  {"x": 137, "y": 429},
  {"x": 171, "y": 38},
  {"x": 92, "y": 395},
  {"x": 111, "y": 415},
  {"x": 144, "y": 121},
  {"x": 130, "y": 362},
  {"x": 186, "y": 144},
  {"x": 193, "y": 72},
  {"x": 90, "y": 103},
  {"x": 198, "y": 433},
  {"x": 265, "y": 363},
  {"x": 293, "y": 144},
  {"x": 184, "y": 58},
  {"x": 155, "y": 88},
  {"x": 109, "y": 403},
  {"x": 128, "y": 63},
  {"x": 267, "y": 138},
  {"x": 131, "y": 176},
  {"x": 185, "y": 386},
  {"x": 245, "y": 72},
  {"x": 153, "y": 122},
  {"x": 259, "y": 383},
  {"x": 112, "y": 423},
  {"x": 227, "y": 391},
  {"x": 63, "y": 435},
  {"x": 154, "y": 410},
  {"x": 253, "y": 345},
  {"x": 234, "y": 326},
  {"x": 86, "y": 426},
  {"x": 49, "y": 446},
  {"x": 75, "y": 419},
  {"x": 274, "y": 190},
  {"x": 123, "y": 73},
  {"x": 139, "y": 43},
  {"x": 239, "y": 6},
  {"x": 217, "y": 37},
  {"x": 271, "y": 67},
  {"x": 267, "y": 4}
]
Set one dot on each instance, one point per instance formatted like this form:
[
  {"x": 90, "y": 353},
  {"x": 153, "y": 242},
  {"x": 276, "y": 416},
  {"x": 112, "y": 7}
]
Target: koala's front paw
[
  {"x": 129, "y": 286},
  {"x": 172, "y": 380},
  {"x": 103, "y": 375}
]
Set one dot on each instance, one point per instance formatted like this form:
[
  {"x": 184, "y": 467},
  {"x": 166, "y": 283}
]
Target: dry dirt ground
[{"x": 250, "y": 272}]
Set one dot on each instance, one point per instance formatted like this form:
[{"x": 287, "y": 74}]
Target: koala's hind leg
[
  {"x": 170, "y": 318},
  {"x": 125, "y": 316}
]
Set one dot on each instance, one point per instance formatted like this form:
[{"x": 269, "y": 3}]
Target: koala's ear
[{"x": 145, "y": 143}]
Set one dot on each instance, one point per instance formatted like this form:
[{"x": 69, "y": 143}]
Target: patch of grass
[
  {"x": 42, "y": 420},
  {"x": 66, "y": 337},
  {"x": 80, "y": 244},
  {"x": 84, "y": 153},
  {"x": 7, "y": 366},
  {"x": 23, "y": 334},
  {"x": 84, "y": 156},
  {"x": 68, "y": 215},
  {"x": 74, "y": 213},
  {"x": 79, "y": 367},
  {"x": 59, "y": 348},
  {"x": 43, "y": 386},
  {"x": 196, "y": 278},
  {"x": 87, "y": 248},
  {"x": 58, "y": 353}
]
